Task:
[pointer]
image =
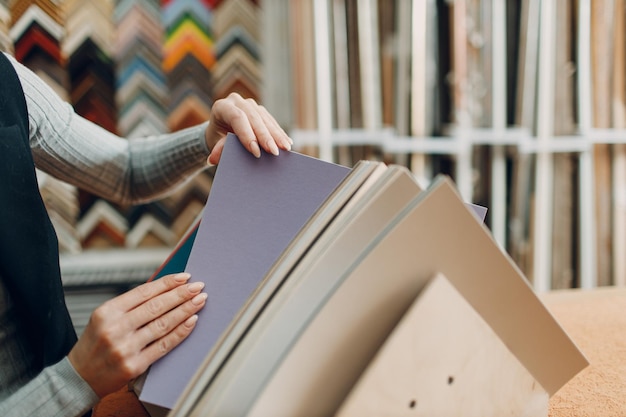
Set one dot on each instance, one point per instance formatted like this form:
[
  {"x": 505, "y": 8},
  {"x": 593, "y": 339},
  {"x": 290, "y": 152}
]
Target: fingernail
[
  {"x": 182, "y": 277},
  {"x": 196, "y": 287},
  {"x": 191, "y": 320},
  {"x": 274, "y": 148},
  {"x": 199, "y": 299},
  {"x": 254, "y": 148}
]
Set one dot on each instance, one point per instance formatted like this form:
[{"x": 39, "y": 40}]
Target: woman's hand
[
  {"x": 250, "y": 121},
  {"x": 127, "y": 334}
]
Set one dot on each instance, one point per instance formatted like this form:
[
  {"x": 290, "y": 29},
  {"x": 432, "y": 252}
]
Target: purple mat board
[{"x": 254, "y": 209}]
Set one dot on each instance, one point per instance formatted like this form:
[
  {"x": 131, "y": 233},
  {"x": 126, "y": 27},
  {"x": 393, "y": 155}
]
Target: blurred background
[{"x": 522, "y": 103}]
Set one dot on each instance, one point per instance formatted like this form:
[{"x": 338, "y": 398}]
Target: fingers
[
  {"x": 147, "y": 291},
  {"x": 165, "y": 323},
  {"x": 251, "y": 122},
  {"x": 163, "y": 345},
  {"x": 275, "y": 130},
  {"x": 158, "y": 306},
  {"x": 246, "y": 122},
  {"x": 259, "y": 125},
  {"x": 170, "y": 321},
  {"x": 127, "y": 334}
]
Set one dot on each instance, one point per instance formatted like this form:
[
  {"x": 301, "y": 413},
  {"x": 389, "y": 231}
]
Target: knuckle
[
  {"x": 120, "y": 361},
  {"x": 220, "y": 103},
  {"x": 124, "y": 362},
  {"x": 154, "y": 306},
  {"x": 127, "y": 369},
  {"x": 189, "y": 308},
  {"x": 170, "y": 281},
  {"x": 182, "y": 331},
  {"x": 183, "y": 293},
  {"x": 98, "y": 327},
  {"x": 234, "y": 96},
  {"x": 117, "y": 356},
  {"x": 163, "y": 346},
  {"x": 160, "y": 325},
  {"x": 107, "y": 339},
  {"x": 101, "y": 321},
  {"x": 98, "y": 316},
  {"x": 265, "y": 136},
  {"x": 239, "y": 114},
  {"x": 144, "y": 290}
]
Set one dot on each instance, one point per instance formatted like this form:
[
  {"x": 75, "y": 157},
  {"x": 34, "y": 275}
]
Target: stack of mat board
[{"x": 314, "y": 272}]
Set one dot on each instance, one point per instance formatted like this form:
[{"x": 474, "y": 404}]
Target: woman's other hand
[{"x": 127, "y": 334}]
